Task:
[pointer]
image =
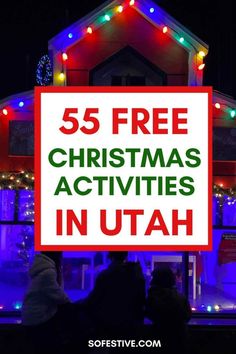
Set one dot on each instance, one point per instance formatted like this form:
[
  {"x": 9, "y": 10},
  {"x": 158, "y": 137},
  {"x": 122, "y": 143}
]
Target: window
[
  {"x": 16, "y": 245},
  {"x": 21, "y": 138},
  {"x": 127, "y": 68},
  {"x": 211, "y": 276},
  {"x": 216, "y": 270},
  {"x": 128, "y": 80},
  {"x": 224, "y": 144}
]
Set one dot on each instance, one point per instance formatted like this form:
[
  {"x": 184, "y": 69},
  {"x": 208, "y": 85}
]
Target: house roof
[
  {"x": 95, "y": 19},
  {"x": 14, "y": 100},
  {"x": 147, "y": 8},
  {"x": 227, "y": 103}
]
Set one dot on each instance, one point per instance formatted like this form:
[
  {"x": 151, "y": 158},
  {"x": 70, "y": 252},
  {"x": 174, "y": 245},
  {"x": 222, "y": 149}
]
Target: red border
[{"x": 102, "y": 89}]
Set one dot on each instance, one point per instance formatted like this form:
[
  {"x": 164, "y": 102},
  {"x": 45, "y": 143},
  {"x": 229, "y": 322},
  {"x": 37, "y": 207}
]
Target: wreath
[{"x": 44, "y": 71}]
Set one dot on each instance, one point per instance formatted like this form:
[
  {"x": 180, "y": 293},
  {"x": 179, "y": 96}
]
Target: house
[{"x": 133, "y": 43}]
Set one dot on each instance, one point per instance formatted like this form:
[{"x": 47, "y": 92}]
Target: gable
[
  {"x": 138, "y": 24},
  {"x": 135, "y": 31}
]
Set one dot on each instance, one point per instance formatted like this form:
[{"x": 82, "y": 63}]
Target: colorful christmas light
[
  {"x": 120, "y": 8},
  {"x": 89, "y": 30},
  {"x": 21, "y": 104},
  {"x": 201, "y": 66},
  {"x": 209, "y": 308},
  {"x": 107, "y": 17},
  {"x": 64, "y": 57},
  {"x": 17, "y": 180},
  {"x": 62, "y": 76},
  {"x": 17, "y": 305},
  {"x": 232, "y": 113},
  {"x": 217, "y": 105},
  {"x": 229, "y": 110},
  {"x": 44, "y": 71},
  {"x": 165, "y": 29},
  {"x": 224, "y": 195},
  {"x": 201, "y": 54}
]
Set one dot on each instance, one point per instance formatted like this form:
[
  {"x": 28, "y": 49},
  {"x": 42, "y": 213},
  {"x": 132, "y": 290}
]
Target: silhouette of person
[
  {"x": 41, "y": 306},
  {"x": 168, "y": 310},
  {"x": 116, "y": 304}
]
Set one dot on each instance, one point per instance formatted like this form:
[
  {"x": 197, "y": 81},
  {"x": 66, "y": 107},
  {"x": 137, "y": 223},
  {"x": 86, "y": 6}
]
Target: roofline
[
  {"x": 223, "y": 98},
  {"x": 217, "y": 95},
  {"x": 87, "y": 19},
  {"x": 184, "y": 29},
  {"x": 26, "y": 95},
  {"x": 91, "y": 17}
]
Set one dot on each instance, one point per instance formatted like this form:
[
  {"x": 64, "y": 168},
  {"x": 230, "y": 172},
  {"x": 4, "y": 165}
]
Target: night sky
[{"x": 27, "y": 25}]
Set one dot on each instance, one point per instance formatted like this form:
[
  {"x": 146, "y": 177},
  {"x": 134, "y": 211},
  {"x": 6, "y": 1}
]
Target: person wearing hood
[
  {"x": 44, "y": 298},
  {"x": 118, "y": 298}
]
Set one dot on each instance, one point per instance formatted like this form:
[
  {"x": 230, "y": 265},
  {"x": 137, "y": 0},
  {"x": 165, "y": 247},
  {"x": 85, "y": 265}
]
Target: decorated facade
[{"x": 133, "y": 43}]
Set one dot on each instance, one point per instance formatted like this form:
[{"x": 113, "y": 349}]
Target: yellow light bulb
[
  {"x": 201, "y": 54},
  {"x": 62, "y": 76}
]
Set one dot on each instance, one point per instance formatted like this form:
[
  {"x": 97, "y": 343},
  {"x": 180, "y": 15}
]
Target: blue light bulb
[{"x": 17, "y": 305}]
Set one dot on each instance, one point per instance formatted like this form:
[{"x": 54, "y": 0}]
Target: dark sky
[{"x": 27, "y": 25}]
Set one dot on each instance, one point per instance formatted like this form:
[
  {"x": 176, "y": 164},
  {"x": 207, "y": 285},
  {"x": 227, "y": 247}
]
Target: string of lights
[
  {"x": 224, "y": 195},
  {"x": 44, "y": 72},
  {"x": 106, "y": 17},
  {"x": 17, "y": 180},
  {"x": 6, "y": 111},
  {"x": 25, "y": 180},
  {"x": 228, "y": 109}
]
